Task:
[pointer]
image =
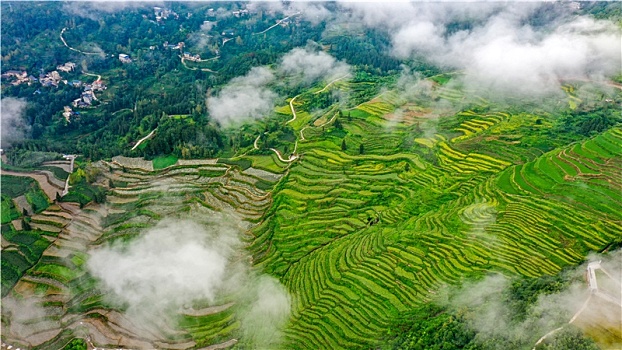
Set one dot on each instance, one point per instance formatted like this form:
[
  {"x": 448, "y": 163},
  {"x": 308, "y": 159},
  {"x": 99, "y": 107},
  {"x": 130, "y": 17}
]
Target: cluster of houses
[
  {"x": 190, "y": 57},
  {"x": 87, "y": 97},
  {"x": 67, "y": 67},
  {"x": 180, "y": 45},
  {"x": 240, "y": 13},
  {"x": 162, "y": 13},
  {"x": 19, "y": 77}
]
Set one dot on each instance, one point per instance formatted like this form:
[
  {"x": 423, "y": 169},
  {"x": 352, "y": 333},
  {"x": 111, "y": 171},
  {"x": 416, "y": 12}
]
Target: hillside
[{"x": 239, "y": 175}]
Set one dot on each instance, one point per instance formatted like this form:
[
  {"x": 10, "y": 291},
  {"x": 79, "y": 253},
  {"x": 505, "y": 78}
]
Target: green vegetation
[
  {"x": 432, "y": 326},
  {"x": 384, "y": 197},
  {"x": 9, "y": 211},
  {"x": 364, "y": 229},
  {"x": 76, "y": 344},
  {"x": 25, "y": 253},
  {"x": 163, "y": 162},
  {"x": 15, "y": 186}
]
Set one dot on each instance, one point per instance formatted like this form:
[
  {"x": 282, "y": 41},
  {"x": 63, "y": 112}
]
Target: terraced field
[
  {"x": 359, "y": 238},
  {"x": 57, "y": 300},
  {"x": 376, "y": 213}
]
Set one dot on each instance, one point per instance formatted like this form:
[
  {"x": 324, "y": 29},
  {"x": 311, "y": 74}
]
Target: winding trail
[
  {"x": 291, "y": 106},
  {"x": 331, "y": 83},
  {"x": 278, "y": 22},
  {"x": 99, "y": 77},
  {"x": 302, "y": 136},
  {"x": 183, "y": 61},
  {"x": 593, "y": 288},
  {"x": 291, "y": 158},
  {"x": 143, "y": 139},
  {"x": 71, "y": 48}
]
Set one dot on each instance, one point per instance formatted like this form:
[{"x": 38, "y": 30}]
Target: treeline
[{"x": 435, "y": 327}]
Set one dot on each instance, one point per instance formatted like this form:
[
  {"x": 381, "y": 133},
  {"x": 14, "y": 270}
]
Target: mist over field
[
  {"x": 490, "y": 311},
  {"x": 506, "y": 49},
  {"x": 178, "y": 263},
  {"x": 244, "y": 98},
  {"x": 252, "y": 97},
  {"x": 306, "y": 66}
]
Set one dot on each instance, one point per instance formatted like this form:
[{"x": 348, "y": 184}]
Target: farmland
[
  {"x": 388, "y": 230},
  {"x": 358, "y": 236},
  {"x": 331, "y": 175},
  {"x": 138, "y": 200}
]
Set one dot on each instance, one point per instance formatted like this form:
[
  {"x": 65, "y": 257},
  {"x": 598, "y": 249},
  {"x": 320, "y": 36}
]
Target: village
[{"x": 54, "y": 79}]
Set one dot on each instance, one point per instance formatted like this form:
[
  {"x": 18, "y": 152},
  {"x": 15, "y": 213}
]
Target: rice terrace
[{"x": 339, "y": 175}]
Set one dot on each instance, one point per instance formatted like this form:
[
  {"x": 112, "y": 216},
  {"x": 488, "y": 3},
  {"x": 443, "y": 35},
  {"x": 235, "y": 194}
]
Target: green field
[
  {"x": 15, "y": 186},
  {"x": 360, "y": 236},
  {"x": 361, "y": 239},
  {"x": 163, "y": 162}
]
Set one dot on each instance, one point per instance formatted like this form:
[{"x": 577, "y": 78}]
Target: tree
[
  {"x": 58, "y": 197},
  {"x": 25, "y": 212},
  {"x": 344, "y": 146},
  {"x": 407, "y": 167},
  {"x": 361, "y": 149}
]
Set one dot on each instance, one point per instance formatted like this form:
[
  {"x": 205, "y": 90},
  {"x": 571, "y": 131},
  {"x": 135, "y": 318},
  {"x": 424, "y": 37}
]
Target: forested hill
[{"x": 157, "y": 84}]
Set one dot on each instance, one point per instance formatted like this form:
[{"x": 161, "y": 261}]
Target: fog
[
  {"x": 307, "y": 66},
  {"x": 490, "y": 312},
  {"x": 244, "y": 98},
  {"x": 179, "y": 263},
  {"x": 251, "y": 96},
  {"x": 13, "y": 127}
]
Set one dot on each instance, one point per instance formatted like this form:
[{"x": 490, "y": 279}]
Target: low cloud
[
  {"x": 90, "y": 9},
  {"x": 266, "y": 314},
  {"x": 491, "y": 316},
  {"x": 179, "y": 263},
  {"x": 244, "y": 98},
  {"x": 170, "y": 265},
  {"x": 306, "y": 66},
  {"x": 14, "y": 127},
  {"x": 508, "y": 57}
]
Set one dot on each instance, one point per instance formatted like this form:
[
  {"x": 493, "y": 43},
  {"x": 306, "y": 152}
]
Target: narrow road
[
  {"x": 99, "y": 77},
  {"x": 71, "y": 48},
  {"x": 209, "y": 59},
  {"x": 278, "y": 22},
  {"x": 291, "y": 158},
  {"x": 291, "y": 106},
  {"x": 331, "y": 83},
  {"x": 143, "y": 139},
  {"x": 183, "y": 61},
  {"x": 593, "y": 288}
]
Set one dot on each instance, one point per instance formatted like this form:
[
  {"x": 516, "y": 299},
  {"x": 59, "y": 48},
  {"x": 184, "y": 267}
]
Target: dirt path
[
  {"x": 291, "y": 106},
  {"x": 331, "y": 83},
  {"x": 99, "y": 77},
  {"x": 71, "y": 48},
  {"x": 277, "y": 23},
  {"x": 291, "y": 158},
  {"x": 183, "y": 61},
  {"x": 143, "y": 139}
]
